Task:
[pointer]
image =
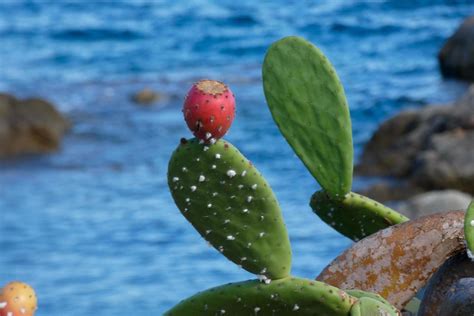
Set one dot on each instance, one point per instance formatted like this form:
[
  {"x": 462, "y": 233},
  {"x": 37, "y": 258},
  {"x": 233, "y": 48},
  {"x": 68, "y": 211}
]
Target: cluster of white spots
[
  {"x": 254, "y": 186},
  {"x": 175, "y": 179},
  {"x": 193, "y": 188},
  {"x": 264, "y": 279},
  {"x": 261, "y": 234},
  {"x": 262, "y": 217},
  {"x": 256, "y": 309},
  {"x": 208, "y": 231},
  {"x": 209, "y": 205},
  {"x": 198, "y": 159},
  {"x": 239, "y": 299},
  {"x": 205, "y": 148},
  {"x": 244, "y": 173},
  {"x": 232, "y": 197},
  {"x": 208, "y": 135},
  {"x": 222, "y": 311},
  {"x": 221, "y": 248},
  {"x": 202, "y": 178},
  {"x": 245, "y": 211},
  {"x": 213, "y": 167},
  {"x": 243, "y": 258},
  {"x": 227, "y": 221},
  {"x": 264, "y": 270},
  {"x": 218, "y": 156},
  {"x": 249, "y": 198},
  {"x": 296, "y": 307},
  {"x": 249, "y": 245},
  {"x": 228, "y": 208},
  {"x": 188, "y": 199},
  {"x": 230, "y": 237},
  {"x": 212, "y": 141},
  {"x": 240, "y": 186},
  {"x": 3, "y": 304},
  {"x": 214, "y": 194},
  {"x": 231, "y": 173},
  {"x": 472, "y": 223},
  {"x": 184, "y": 169}
]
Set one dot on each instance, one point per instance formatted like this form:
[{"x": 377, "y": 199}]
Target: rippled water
[{"x": 93, "y": 227}]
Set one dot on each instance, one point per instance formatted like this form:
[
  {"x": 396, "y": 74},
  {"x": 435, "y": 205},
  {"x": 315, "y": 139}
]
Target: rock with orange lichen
[{"x": 398, "y": 261}]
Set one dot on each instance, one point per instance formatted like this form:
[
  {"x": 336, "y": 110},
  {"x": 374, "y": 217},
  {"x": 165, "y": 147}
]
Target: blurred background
[{"x": 86, "y": 217}]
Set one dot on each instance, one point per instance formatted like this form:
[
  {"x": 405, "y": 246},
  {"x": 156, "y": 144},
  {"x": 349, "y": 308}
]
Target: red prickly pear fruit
[
  {"x": 17, "y": 299},
  {"x": 209, "y": 109}
]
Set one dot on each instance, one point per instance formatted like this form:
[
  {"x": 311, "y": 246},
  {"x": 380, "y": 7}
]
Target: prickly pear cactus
[
  {"x": 367, "y": 306},
  {"x": 355, "y": 216},
  {"x": 289, "y": 296},
  {"x": 469, "y": 229},
  {"x": 231, "y": 205},
  {"x": 308, "y": 104}
]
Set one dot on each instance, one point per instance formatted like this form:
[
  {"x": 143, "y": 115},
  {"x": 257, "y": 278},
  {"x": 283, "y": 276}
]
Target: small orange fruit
[{"x": 17, "y": 299}]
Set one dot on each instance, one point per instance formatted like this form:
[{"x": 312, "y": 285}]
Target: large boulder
[
  {"x": 29, "y": 126},
  {"x": 456, "y": 58},
  {"x": 434, "y": 202},
  {"x": 432, "y": 147}
]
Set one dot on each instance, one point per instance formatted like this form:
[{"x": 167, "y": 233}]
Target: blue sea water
[{"x": 93, "y": 227}]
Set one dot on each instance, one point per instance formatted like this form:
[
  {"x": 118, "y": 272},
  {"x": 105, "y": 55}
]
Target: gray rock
[
  {"x": 456, "y": 58},
  {"x": 434, "y": 202},
  {"x": 450, "y": 291},
  {"x": 432, "y": 146},
  {"x": 29, "y": 126}
]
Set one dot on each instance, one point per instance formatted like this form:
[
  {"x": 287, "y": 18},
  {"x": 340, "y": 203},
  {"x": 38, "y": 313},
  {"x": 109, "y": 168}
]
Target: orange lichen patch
[
  {"x": 17, "y": 299},
  {"x": 397, "y": 261}
]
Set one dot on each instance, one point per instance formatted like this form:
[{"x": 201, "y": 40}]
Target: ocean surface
[{"x": 93, "y": 227}]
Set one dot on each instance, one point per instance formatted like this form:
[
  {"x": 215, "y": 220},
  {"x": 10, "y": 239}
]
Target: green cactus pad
[
  {"x": 469, "y": 227},
  {"x": 308, "y": 104},
  {"x": 231, "y": 205},
  {"x": 281, "y": 297},
  {"x": 355, "y": 216},
  {"x": 367, "y": 306},
  {"x": 360, "y": 294}
]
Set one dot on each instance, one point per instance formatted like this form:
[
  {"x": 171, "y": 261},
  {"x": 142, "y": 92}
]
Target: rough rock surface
[
  {"x": 456, "y": 58},
  {"x": 398, "y": 261},
  {"x": 433, "y": 147},
  {"x": 29, "y": 126}
]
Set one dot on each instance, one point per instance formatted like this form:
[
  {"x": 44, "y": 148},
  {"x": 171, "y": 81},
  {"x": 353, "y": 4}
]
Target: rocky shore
[{"x": 29, "y": 126}]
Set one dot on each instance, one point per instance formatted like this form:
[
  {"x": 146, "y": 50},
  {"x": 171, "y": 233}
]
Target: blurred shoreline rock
[
  {"x": 456, "y": 57},
  {"x": 29, "y": 126},
  {"x": 433, "y": 202},
  {"x": 146, "y": 96},
  {"x": 428, "y": 149}
]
